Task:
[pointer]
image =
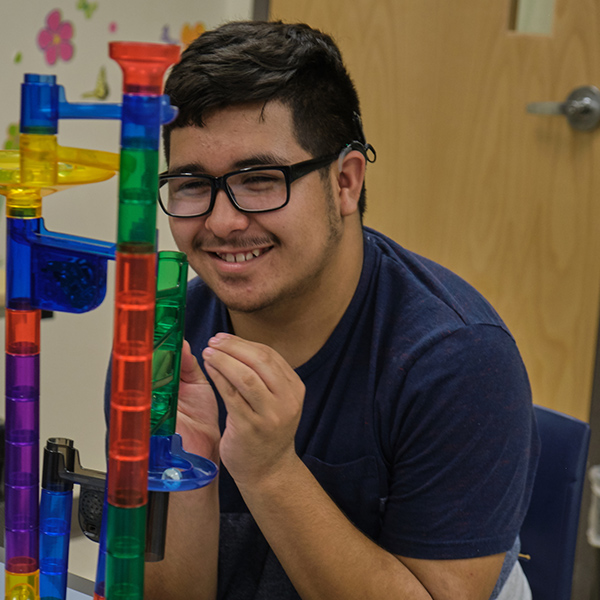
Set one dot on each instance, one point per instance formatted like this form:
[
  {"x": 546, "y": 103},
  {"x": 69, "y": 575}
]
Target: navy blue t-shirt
[
  {"x": 417, "y": 421},
  {"x": 417, "y": 418}
]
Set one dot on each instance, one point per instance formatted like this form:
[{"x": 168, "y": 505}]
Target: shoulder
[
  {"x": 428, "y": 325},
  {"x": 429, "y": 294}
]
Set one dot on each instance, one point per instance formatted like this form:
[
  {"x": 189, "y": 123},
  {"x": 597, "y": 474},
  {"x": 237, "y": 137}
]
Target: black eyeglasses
[{"x": 250, "y": 190}]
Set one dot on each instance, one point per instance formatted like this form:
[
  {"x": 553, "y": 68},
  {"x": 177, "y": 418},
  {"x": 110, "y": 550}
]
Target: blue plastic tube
[{"x": 55, "y": 531}]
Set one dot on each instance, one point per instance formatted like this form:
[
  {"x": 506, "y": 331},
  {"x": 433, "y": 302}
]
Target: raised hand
[{"x": 264, "y": 397}]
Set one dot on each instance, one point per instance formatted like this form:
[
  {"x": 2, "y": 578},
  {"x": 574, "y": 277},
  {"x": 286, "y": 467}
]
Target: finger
[
  {"x": 268, "y": 364},
  {"x": 235, "y": 403},
  {"x": 236, "y": 378}
]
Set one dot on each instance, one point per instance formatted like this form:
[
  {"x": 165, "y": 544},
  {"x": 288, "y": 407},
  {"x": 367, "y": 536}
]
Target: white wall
[{"x": 75, "y": 348}]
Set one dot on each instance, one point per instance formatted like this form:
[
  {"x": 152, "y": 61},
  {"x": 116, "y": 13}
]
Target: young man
[{"x": 369, "y": 410}]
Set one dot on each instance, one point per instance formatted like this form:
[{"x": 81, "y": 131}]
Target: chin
[
  {"x": 240, "y": 300},
  {"x": 245, "y": 305}
]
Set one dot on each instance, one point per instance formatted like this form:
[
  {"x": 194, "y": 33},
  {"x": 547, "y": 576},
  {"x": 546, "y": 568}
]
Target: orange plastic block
[
  {"x": 131, "y": 392},
  {"x": 23, "y": 331}
]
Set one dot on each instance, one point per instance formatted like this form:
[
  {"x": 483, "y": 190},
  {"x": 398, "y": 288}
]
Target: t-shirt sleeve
[{"x": 463, "y": 456}]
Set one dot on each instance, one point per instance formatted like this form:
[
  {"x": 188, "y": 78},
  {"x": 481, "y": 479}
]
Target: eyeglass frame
[{"x": 291, "y": 173}]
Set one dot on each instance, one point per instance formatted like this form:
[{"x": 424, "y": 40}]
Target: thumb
[{"x": 190, "y": 371}]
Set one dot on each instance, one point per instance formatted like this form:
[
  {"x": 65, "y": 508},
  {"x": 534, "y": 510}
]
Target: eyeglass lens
[{"x": 261, "y": 190}]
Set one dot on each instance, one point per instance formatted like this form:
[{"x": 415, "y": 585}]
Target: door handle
[{"x": 582, "y": 108}]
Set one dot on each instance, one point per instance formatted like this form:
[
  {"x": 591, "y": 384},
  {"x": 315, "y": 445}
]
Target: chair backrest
[{"x": 549, "y": 532}]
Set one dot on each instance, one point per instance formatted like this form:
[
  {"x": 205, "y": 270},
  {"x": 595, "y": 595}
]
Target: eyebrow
[{"x": 257, "y": 160}]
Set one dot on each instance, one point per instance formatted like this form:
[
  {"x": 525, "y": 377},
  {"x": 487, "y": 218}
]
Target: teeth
[{"x": 240, "y": 256}]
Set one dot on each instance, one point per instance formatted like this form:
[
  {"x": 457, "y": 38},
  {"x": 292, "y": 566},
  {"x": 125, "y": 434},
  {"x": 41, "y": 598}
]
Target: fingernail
[
  {"x": 207, "y": 352},
  {"x": 218, "y": 338}
]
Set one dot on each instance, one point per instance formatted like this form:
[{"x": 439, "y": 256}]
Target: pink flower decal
[{"x": 55, "y": 39}]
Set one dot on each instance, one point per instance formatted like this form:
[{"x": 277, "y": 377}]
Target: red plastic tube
[{"x": 131, "y": 380}]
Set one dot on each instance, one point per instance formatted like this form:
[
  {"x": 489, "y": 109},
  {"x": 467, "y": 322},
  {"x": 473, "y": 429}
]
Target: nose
[{"x": 225, "y": 219}]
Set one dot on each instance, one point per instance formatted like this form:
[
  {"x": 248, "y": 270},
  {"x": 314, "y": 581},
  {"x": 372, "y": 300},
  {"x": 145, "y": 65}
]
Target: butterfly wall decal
[
  {"x": 88, "y": 8},
  {"x": 101, "y": 91}
]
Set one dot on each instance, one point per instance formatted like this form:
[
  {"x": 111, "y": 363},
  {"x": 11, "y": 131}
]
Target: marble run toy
[{"x": 62, "y": 272}]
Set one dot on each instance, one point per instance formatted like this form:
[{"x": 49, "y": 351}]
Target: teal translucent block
[
  {"x": 138, "y": 192},
  {"x": 126, "y": 539},
  {"x": 171, "y": 290}
]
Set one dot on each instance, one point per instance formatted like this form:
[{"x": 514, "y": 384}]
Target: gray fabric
[
  {"x": 516, "y": 587},
  {"x": 510, "y": 561}
]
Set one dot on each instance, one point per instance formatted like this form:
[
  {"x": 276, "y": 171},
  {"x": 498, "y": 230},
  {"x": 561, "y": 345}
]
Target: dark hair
[{"x": 250, "y": 61}]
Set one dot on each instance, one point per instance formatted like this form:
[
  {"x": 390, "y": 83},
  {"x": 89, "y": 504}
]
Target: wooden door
[{"x": 509, "y": 200}]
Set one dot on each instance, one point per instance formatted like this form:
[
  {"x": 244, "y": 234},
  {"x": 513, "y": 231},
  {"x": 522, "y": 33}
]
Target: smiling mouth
[{"x": 241, "y": 256}]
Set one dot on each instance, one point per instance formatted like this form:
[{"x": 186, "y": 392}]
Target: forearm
[
  {"x": 323, "y": 554},
  {"x": 189, "y": 569}
]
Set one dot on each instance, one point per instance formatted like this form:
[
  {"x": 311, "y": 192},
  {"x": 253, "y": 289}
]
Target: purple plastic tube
[{"x": 22, "y": 444}]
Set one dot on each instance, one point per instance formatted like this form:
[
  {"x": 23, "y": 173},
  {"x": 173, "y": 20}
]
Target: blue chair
[{"x": 549, "y": 532}]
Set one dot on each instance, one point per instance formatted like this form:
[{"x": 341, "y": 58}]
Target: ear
[{"x": 350, "y": 178}]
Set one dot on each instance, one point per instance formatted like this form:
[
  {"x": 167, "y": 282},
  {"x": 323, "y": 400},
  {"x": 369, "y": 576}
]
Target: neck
[{"x": 298, "y": 328}]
